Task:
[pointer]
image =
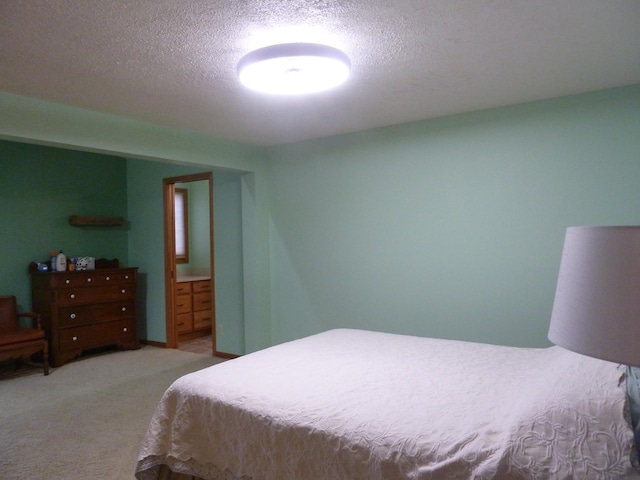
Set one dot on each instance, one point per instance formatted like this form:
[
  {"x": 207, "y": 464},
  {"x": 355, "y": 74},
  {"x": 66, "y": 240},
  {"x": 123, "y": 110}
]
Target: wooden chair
[{"x": 16, "y": 341}]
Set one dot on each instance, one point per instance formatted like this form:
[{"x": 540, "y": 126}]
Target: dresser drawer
[
  {"x": 96, "y": 335},
  {"x": 201, "y": 286},
  {"x": 99, "y": 312},
  {"x": 103, "y": 293},
  {"x": 86, "y": 309},
  {"x": 93, "y": 277},
  {"x": 183, "y": 288},
  {"x": 202, "y": 319}
]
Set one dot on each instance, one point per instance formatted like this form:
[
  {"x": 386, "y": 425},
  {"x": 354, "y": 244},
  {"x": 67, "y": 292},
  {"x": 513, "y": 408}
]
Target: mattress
[{"x": 353, "y": 404}]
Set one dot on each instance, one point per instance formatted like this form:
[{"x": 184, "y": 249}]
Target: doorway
[{"x": 189, "y": 260}]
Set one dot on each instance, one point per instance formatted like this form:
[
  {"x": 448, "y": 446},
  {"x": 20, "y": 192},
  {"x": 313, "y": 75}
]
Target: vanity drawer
[
  {"x": 184, "y": 322},
  {"x": 183, "y": 304},
  {"x": 201, "y": 301},
  {"x": 202, "y": 319},
  {"x": 104, "y": 293},
  {"x": 193, "y": 308},
  {"x": 96, "y": 335},
  {"x": 201, "y": 286},
  {"x": 100, "y": 312}
]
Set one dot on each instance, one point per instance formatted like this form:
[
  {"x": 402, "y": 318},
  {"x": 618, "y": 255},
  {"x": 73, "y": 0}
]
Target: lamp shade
[{"x": 596, "y": 311}]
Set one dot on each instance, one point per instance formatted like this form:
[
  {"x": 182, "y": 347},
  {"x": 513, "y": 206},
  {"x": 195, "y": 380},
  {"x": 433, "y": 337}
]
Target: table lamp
[{"x": 596, "y": 311}]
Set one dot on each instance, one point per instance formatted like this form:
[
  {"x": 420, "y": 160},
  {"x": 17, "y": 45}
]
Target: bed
[{"x": 353, "y": 404}]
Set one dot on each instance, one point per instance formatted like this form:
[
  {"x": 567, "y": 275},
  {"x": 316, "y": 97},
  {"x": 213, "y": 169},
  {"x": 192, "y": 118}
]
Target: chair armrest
[{"x": 32, "y": 315}]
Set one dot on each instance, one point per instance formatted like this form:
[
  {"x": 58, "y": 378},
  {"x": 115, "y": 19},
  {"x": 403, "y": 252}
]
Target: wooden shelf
[{"x": 96, "y": 221}]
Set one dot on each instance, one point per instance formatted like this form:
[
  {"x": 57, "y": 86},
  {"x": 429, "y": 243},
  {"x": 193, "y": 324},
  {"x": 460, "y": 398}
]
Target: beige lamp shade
[{"x": 596, "y": 311}]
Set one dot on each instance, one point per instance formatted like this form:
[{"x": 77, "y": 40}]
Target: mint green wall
[
  {"x": 45, "y": 123},
  {"x": 199, "y": 224},
  {"x": 146, "y": 245},
  {"x": 229, "y": 264},
  {"x": 198, "y": 212},
  {"x": 146, "y": 238},
  {"x": 40, "y": 187},
  {"x": 447, "y": 228}
]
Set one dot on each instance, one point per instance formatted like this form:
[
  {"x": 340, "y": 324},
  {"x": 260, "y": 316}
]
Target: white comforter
[{"x": 350, "y": 404}]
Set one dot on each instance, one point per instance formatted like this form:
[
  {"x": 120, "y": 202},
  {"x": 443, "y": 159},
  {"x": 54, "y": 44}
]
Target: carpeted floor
[{"x": 87, "y": 418}]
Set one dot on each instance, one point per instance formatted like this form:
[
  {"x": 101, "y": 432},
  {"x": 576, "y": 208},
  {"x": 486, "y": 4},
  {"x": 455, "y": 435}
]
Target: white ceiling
[{"x": 173, "y": 62}]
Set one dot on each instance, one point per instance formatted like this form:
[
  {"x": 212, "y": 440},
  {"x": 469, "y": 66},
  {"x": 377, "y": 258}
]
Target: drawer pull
[
  {"x": 73, "y": 295},
  {"x": 75, "y": 339},
  {"x": 89, "y": 279},
  {"x": 108, "y": 278},
  {"x": 206, "y": 301},
  {"x": 67, "y": 281},
  {"x": 72, "y": 316},
  {"x": 124, "y": 309},
  {"x": 125, "y": 329},
  {"x": 126, "y": 277},
  {"x": 123, "y": 291}
]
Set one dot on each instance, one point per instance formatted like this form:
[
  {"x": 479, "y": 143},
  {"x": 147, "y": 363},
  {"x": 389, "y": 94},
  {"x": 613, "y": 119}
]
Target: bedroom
[
  {"x": 448, "y": 227},
  {"x": 461, "y": 240}
]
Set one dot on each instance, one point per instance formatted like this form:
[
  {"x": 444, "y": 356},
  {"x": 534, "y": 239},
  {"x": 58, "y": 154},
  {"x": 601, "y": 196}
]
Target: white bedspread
[{"x": 351, "y": 404}]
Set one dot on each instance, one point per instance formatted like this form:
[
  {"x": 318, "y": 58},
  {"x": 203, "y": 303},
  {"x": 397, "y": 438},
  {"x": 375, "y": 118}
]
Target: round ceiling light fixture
[{"x": 294, "y": 68}]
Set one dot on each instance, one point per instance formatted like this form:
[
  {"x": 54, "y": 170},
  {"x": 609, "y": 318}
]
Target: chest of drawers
[
  {"x": 87, "y": 309},
  {"x": 194, "y": 309}
]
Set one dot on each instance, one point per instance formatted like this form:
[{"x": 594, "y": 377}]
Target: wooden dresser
[
  {"x": 86, "y": 309},
  {"x": 193, "y": 309}
]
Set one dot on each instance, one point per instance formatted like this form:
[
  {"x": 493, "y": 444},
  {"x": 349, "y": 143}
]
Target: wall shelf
[{"x": 79, "y": 220}]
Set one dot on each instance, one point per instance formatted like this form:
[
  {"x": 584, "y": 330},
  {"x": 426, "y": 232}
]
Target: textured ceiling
[{"x": 173, "y": 62}]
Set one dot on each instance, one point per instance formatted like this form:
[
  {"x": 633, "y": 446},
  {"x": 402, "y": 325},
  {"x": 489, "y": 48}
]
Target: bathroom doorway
[{"x": 189, "y": 259}]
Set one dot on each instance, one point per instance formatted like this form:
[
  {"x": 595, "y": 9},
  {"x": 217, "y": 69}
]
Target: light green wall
[
  {"x": 40, "y": 187},
  {"x": 146, "y": 246},
  {"x": 451, "y": 227},
  {"x": 44, "y": 123},
  {"x": 146, "y": 238},
  {"x": 198, "y": 223},
  {"x": 229, "y": 264}
]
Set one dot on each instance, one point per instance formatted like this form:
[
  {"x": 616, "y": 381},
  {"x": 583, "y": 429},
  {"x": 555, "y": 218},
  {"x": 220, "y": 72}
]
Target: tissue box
[{"x": 86, "y": 263}]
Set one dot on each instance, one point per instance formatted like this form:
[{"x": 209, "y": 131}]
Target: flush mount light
[{"x": 294, "y": 68}]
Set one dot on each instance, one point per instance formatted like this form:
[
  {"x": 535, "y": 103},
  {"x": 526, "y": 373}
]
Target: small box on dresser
[{"x": 82, "y": 310}]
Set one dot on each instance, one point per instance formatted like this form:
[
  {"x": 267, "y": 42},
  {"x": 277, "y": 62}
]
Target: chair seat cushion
[{"x": 18, "y": 335}]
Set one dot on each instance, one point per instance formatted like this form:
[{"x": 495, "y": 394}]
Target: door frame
[{"x": 169, "y": 185}]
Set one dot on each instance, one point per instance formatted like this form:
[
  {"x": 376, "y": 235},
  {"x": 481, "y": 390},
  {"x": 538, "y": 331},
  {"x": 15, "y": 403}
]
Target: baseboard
[
  {"x": 154, "y": 344},
  {"x": 228, "y": 356}
]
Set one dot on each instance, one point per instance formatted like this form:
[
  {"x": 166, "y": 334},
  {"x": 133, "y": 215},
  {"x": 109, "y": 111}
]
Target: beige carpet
[{"x": 86, "y": 419}]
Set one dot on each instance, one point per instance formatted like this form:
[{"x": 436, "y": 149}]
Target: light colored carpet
[{"x": 86, "y": 419}]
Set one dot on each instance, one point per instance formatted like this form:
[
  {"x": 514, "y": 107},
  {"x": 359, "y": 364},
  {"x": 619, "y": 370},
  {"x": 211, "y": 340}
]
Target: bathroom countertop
[{"x": 192, "y": 278}]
